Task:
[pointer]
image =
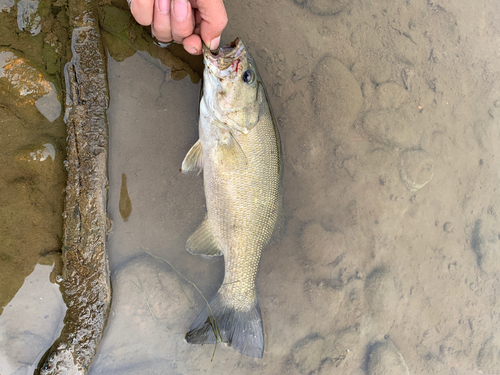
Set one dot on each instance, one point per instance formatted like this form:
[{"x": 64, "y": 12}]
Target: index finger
[
  {"x": 213, "y": 20},
  {"x": 142, "y": 10}
]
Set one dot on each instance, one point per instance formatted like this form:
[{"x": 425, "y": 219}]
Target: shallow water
[{"x": 389, "y": 117}]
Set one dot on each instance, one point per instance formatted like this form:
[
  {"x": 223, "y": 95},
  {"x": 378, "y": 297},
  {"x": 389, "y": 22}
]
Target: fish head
[{"x": 233, "y": 86}]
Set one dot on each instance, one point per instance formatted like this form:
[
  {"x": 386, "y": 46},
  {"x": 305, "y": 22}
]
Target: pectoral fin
[
  {"x": 202, "y": 241},
  {"x": 194, "y": 159},
  {"x": 230, "y": 151}
]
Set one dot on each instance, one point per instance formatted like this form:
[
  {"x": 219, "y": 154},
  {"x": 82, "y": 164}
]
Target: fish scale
[{"x": 242, "y": 202}]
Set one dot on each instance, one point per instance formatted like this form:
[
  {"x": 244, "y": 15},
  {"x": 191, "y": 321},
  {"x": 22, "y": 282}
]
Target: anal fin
[
  {"x": 194, "y": 159},
  {"x": 202, "y": 241}
]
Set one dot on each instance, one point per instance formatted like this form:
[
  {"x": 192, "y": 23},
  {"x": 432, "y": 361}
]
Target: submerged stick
[{"x": 85, "y": 283}]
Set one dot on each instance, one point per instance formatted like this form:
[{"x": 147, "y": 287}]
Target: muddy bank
[{"x": 33, "y": 51}]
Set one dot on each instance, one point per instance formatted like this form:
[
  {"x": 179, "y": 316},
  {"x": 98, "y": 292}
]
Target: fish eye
[{"x": 248, "y": 76}]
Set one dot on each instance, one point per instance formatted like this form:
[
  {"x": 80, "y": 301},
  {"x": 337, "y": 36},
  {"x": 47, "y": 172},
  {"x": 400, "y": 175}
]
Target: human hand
[{"x": 184, "y": 21}]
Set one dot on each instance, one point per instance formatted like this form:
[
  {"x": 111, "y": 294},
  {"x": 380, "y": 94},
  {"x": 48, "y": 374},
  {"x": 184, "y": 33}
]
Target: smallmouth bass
[{"x": 239, "y": 151}]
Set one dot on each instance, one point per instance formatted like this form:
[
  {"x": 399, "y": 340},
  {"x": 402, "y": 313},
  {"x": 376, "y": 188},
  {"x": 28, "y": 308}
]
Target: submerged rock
[
  {"x": 344, "y": 346},
  {"x": 323, "y": 7},
  {"x": 485, "y": 242},
  {"x": 384, "y": 359},
  {"x": 488, "y": 357},
  {"x": 30, "y": 321},
  {"x": 28, "y": 17},
  {"x": 382, "y": 298},
  {"x": 324, "y": 299},
  {"x": 308, "y": 353},
  {"x": 337, "y": 96},
  {"x": 387, "y": 127},
  {"x": 149, "y": 317},
  {"x": 26, "y": 88},
  {"x": 320, "y": 245},
  {"x": 416, "y": 169},
  {"x": 38, "y": 158},
  {"x": 315, "y": 354},
  {"x": 390, "y": 95}
]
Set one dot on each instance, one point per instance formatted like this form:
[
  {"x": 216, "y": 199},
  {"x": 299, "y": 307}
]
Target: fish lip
[{"x": 223, "y": 57}]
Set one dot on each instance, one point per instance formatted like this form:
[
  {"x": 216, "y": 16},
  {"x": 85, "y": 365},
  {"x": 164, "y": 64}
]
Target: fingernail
[
  {"x": 214, "y": 43},
  {"x": 180, "y": 8},
  {"x": 192, "y": 50},
  {"x": 164, "y": 6}
]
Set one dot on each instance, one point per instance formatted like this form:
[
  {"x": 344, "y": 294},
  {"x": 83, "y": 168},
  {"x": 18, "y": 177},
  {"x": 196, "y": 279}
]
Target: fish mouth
[{"x": 224, "y": 57}]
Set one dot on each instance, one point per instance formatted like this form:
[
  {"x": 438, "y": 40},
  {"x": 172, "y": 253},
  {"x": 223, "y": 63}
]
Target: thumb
[{"x": 213, "y": 21}]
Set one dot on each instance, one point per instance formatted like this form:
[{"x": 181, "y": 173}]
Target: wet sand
[{"x": 389, "y": 118}]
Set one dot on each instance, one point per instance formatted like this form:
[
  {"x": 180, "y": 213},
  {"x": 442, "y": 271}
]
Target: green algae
[{"x": 124, "y": 37}]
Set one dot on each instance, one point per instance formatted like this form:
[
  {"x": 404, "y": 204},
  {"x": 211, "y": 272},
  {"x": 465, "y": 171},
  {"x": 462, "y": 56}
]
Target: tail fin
[{"x": 241, "y": 330}]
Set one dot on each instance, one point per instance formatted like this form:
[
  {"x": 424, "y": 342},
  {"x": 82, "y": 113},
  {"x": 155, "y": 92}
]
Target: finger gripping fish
[{"x": 239, "y": 151}]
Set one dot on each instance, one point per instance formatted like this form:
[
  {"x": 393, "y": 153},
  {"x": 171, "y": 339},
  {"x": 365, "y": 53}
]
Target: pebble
[
  {"x": 27, "y": 85},
  {"x": 388, "y": 127},
  {"x": 490, "y": 256},
  {"x": 448, "y": 227},
  {"x": 337, "y": 96},
  {"x": 344, "y": 345},
  {"x": 377, "y": 69},
  {"x": 368, "y": 89},
  {"x": 7, "y": 5},
  {"x": 390, "y": 95},
  {"x": 321, "y": 246},
  {"x": 28, "y": 17},
  {"x": 314, "y": 354},
  {"x": 49, "y": 104},
  {"x": 308, "y": 353},
  {"x": 384, "y": 359},
  {"x": 324, "y": 299},
  {"x": 488, "y": 357},
  {"x": 37, "y": 158},
  {"x": 416, "y": 169},
  {"x": 382, "y": 299},
  {"x": 354, "y": 300},
  {"x": 485, "y": 243},
  {"x": 323, "y": 7}
]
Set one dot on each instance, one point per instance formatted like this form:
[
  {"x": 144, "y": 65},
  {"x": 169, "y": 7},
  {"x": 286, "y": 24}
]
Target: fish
[{"x": 239, "y": 151}]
